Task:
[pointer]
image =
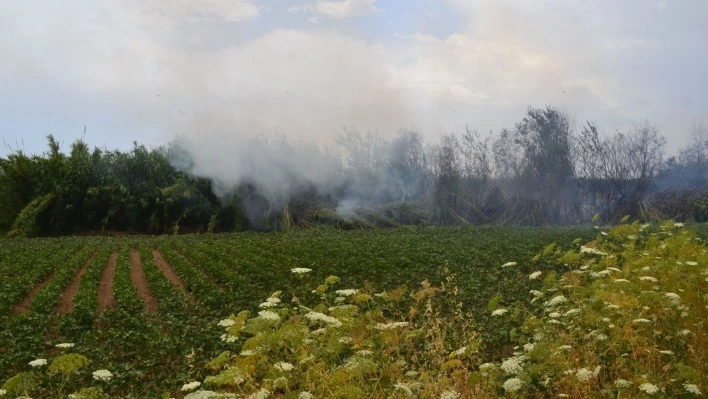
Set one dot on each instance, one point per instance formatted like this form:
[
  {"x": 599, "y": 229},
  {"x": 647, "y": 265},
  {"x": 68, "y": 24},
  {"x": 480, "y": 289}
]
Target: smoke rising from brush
[{"x": 360, "y": 171}]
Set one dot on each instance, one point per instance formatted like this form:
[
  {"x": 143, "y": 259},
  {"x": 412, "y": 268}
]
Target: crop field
[{"x": 146, "y": 308}]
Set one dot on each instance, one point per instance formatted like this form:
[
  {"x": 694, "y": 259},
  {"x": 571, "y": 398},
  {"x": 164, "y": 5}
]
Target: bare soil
[
  {"x": 105, "y": 287},
  {"x": 167, "y": 270},
  {"x": 139, "y": 281},
  {"x": 66, "y": 302},
  {"x": 23, "y": 307}
]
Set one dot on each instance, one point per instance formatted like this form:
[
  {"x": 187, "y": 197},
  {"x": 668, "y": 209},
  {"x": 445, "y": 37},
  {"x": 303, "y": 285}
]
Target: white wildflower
[
  {"x": 364, "y": 353},
  {"x": 499, "y": 312},
  {"x": 649, "y": 278},
  {"x": 317, "y": 316},
  {"x": 191, "y": 386},
  {"x": 536, "y": 293},
  {"x": 509, "y": 264},
  {"x": 513, "y": 365},
  {"x": 269, "y": 315},
  {"x": 679, "y": 224},
  {"x": 637, "y": 321},
  {"x": 612, "y": 306},
  {"x": 284, "y": 366},
  {"x": 2, "y": 392},
  {"x": 620, "y": 383},
  {"x": 388, "y": 326},
  {"x": 347, "y": 292},
  {"x": 666, "y": 352},
  {"x": 583, "y": 374},
  {"x": 273, "y": 300},
  {"x": 692, "y": 388},
  {"x": 535, "y": 275},
  {"x": 648, "y": 388},
  {"x": 675, "y": 298},
  {"x": 412, "y": 373},
  {"x": 319, "y": 331},
  {"x": 66, "y": 345},
  {"x": 345, "y": 340},
  {"x": 450, "y": 395},
  {"x": 557, "y": 300},
  {"x": 554, "y": 315},
  {"x": 512, "y": 384},
  {"x": 592, "y": 251},
  {"x": 563, "y": 395},
  {"x": 529, "y": 347},
  {"x": 268, "y": 305},
  {"x": 38, "y": 362},
  {"x": 603, "y": 273},
  {"x": 571, "y": 312},
  {"x": 226, "y": 323},
  {"x": 621, "y": 280},
  {"x": 691, "y": 263},
  {"x": 304, "y": 395},
  {"x": 300, "y": 270},
  {"x": 248, "y": 352},
  {"x": 461, "y": 351},
  {"x": 262, "y": 394},
  {"x": 102, "y": 375},
  {"x": 486, "y": 366},
  {"x": 684, "y": 332},
  {"x": 600, "y": 337},
  {"x": 565, "y": 348},
  {"x": 403, "y": 388}
]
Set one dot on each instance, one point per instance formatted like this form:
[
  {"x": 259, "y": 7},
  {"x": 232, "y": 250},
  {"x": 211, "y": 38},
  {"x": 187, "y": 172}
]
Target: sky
[{"x": 148, "y": 70}]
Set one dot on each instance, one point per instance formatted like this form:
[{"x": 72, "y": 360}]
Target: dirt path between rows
[
  {"x": 105, "y": 287},
  {"x": 66, "y": 302},
  {"x": 167, "y": 270},
  {"x": 139, "y": 281},
  {"x": 23, "y": 307}
]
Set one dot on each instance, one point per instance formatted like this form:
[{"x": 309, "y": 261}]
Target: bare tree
[
  {"x": 447, "y": 170},
  {"x": 407, "y": 164},
  {"x": 548, "y": 170},
  {"x": 477, "y": 155},
  {"x": 694, "y": 158},
  {"x": 507, "y": 156}
]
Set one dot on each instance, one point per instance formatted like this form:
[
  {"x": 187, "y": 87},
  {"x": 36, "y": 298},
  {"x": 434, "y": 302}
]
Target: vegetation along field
[{"x": 488, "y": 312}]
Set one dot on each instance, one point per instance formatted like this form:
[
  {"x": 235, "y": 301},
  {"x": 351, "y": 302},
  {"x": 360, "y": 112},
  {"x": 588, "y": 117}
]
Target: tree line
[{"x": 544, "y": 170}]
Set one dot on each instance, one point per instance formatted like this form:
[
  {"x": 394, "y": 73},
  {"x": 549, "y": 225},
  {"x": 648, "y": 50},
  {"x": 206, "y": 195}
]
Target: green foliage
[
  {"x": 21, "y": 384},
  {"x": 26, "y": 223},
  {"x": 149, "y": 353},
  {"x": 68, "y": 364}
]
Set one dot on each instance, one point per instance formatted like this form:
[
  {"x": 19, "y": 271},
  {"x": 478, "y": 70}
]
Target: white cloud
[
  {"x": 310, "y": 82},
  {"x": 345, "y": 8},
  {"x": 423, "y": 38},
  {"x": 294, "y": 9}
]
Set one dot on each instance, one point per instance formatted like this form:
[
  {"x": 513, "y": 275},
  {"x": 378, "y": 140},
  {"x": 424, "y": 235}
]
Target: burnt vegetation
[{"x": 544, "y": 170}]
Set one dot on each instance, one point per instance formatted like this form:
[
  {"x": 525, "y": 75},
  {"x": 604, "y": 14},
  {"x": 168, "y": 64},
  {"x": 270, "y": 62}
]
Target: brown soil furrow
[
  {"x": 167, "y": 270},
  {"x": 105, "y": 287},
  {"x": 200, "y": 271},
  {"x": 66, "y": 302},
  {"x": 23, "y": 307},
  {"x": 139, "y": 281}
]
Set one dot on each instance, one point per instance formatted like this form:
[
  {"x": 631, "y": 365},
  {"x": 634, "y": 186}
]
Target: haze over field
[{"x": 150, "y": 70}]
